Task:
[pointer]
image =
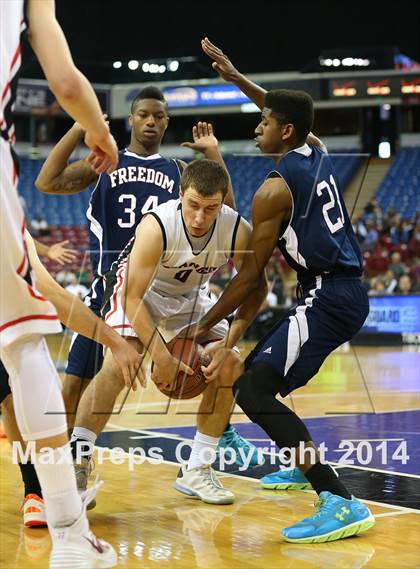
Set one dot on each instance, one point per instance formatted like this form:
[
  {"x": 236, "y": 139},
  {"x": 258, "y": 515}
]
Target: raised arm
[
  {"x": 142, "y": 266},
  {"x": 57, "y": 176},
  {"x": 71, "y": 88},
  {"x": 205, "y": 141},
  {"x": 227, "y": 71},
  {"x": 79, "y": 318},
  {"x": 271, "y": 207}
]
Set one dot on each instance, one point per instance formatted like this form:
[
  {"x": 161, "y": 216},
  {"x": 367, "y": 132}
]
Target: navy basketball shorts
[
  {"x": 330, "y": 313},
  {"x": 86, "y": 356},
  {"x": 4, "y": 383}
]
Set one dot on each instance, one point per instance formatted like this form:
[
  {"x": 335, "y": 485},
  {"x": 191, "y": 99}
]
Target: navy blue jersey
[
  {"x": 319, "y": 238},
  {"x": 120, "y": 199}
]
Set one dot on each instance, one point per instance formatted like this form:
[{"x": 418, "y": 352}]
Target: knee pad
[
  {"x": 255, "y": 392},
  {"x": 260, "y": 381},
  {"x": 35, "y": 384}
]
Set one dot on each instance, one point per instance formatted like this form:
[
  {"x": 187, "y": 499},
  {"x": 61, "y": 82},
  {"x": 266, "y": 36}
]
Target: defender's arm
[
  {"x": 227, "y": 71},
  {"x": 59, "y": 177},
  {"x": 271, "y": 206},
  {"x": 249, "y": 309}
]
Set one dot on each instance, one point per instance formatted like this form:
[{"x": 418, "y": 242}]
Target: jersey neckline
[
  {"x": 305, "y": 149},
  {"x": 134, "y": 155}
]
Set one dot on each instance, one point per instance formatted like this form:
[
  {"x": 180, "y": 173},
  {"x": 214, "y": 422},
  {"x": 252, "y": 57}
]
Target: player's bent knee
[
  {"x": 259, "y": 381},
  {"x": 244, "y": 392},
  {"x": 72, "y": 390},
  {"x": 233, "y": 367},
  {"x": 36, "y": 416}
]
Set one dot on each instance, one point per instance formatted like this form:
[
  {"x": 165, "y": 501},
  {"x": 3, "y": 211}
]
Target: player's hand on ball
[
  {"x": 218, "y": 353},
  {"x": 130, "y": 362},
  {"x": 165, "y": 375},
  {"x": 203, "y": 138}
]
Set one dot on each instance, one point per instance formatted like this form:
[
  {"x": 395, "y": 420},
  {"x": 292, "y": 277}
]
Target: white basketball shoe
[
  {"x": 76, "y": 547},
  {"x": 203, "y": 483}
]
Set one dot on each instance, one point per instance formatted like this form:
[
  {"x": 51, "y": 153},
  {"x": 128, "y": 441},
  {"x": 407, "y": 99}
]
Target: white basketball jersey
[
  {"x": 12, "y": 24},
  {"x": 181, "y": 271}
]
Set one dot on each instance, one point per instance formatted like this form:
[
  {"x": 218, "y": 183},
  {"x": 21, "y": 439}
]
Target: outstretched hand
[
  {"x": 61, "y": 254},
  {"x": 203, "y": 138},
  {"x": 221, "y": 63}
]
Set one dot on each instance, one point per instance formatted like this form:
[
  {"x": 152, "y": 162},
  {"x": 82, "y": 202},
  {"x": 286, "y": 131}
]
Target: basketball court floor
[{"x": 364, "y": 405}]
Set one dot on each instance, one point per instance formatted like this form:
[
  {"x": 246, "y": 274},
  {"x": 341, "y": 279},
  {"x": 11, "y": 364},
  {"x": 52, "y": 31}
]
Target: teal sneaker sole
[
  {"x": 347, "y": 531},
  {"x": 287, "y": 486}
]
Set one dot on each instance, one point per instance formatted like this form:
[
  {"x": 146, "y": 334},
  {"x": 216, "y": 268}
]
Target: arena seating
[
  {"x": 66, "y": 215},
  {"x": 56, "y": 210},
  {"x": 247, "y": 173},
  {"x": 400, "y": 187}
]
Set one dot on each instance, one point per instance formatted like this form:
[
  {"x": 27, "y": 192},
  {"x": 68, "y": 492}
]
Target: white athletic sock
[
  {"x": 82, "y": 434},
  {"x": 63, "y": 504},
  {"x": 203, "y": 451}
]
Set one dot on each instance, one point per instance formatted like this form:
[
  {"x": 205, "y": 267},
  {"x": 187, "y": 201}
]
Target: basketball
[{"x": 187, "y": 386}]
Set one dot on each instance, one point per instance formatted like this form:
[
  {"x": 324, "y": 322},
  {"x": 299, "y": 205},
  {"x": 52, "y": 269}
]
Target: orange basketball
[{"x": 187, "y": 386}]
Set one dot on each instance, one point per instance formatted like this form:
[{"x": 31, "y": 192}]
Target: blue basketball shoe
[
  {"x": 336, "y": 518},
  {"x": 232, "y": 440},
  {"x": 286, "y": 479}
]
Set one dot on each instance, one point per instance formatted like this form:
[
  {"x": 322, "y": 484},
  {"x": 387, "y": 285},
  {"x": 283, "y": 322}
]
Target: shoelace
[
  {"x": 318, "y": 504},
  {"x": 234, "y": 436},
  {"x": 323, "y": 504},
  {"x": 210, "y": 478},
  {"x": 90, "y": 466}
]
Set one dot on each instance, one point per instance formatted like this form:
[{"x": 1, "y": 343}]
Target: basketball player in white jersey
[
  {"x": 163, "y": 286},
  {"x": 24, "y": 315},
  {"x": 74, "y": 314}
]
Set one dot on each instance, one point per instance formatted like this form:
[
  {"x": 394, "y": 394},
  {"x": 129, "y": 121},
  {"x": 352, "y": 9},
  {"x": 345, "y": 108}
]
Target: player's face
[
  {"x": 199, "y": 212},
  {"x": 149, "y": 122},
  {"x": 270, "y": 135}
]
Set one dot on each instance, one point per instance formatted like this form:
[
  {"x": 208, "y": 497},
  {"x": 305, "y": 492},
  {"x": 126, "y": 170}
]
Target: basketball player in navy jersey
[
  {"x": 298, "y": 208},
  {"x": 142, "y": 180}
]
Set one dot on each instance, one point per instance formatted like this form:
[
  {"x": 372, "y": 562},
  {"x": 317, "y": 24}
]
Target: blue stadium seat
[
  {"x": 399, "y": 188},
  {"x": 247, "y": 173}
]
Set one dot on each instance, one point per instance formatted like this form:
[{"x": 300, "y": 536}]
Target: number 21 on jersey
[
  {"x": 333, "y": 226},
  {"x": 129, "y": 212}
]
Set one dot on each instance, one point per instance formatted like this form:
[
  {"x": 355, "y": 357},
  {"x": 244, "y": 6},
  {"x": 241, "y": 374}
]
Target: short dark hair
[
  {"x": 295, "y": 107},
  {"x": 149, "y": 92},
  {"x": 207, "y": 177}
]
